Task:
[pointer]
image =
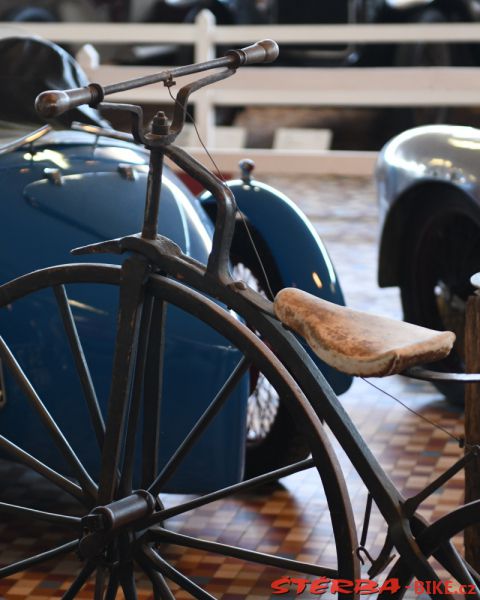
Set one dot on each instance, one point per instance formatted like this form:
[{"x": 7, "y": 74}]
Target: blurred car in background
[
  {"x": 428, "y": 181},
  {"x": 53, "y": 10},
  {"x": 243, "y": 12}
]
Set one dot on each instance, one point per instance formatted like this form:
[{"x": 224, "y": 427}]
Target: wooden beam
[
  {"x": 472, "y": 424},
  {"x": 157, "y": 33},
  {"x": 292, "y": 162}
]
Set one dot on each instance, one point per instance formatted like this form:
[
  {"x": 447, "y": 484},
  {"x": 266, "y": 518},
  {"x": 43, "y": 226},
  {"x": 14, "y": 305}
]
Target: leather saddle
[{"x": 356, "y": 342}]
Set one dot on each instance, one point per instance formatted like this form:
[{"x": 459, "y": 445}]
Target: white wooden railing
[{"x": 281, "y": 86}]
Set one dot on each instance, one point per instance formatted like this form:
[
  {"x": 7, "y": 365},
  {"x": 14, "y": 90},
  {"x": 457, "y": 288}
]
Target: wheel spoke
[
  {"x": 113, "y": 585},
  {"x": 160, "y": 587},
  {"x": 160, "y": 535},
  {"x": 168, "y": 571},
  {"x": 138, "y": 388},
  {"x": 135, "y": 393},
  {"x": 200, "y": 426},
  {"x": 80, "y": 363},
  {"x": 448, "y": 557},
  {"x": 131, "y": 300},
  {"x": 127, "y": 582},
  {"x": 402, "y": 573},
  {"x": 474, "y": 573},
  {"x": 435, "y": 540},
  {"x": 100, "y": 582},
  {"x": 126, "y": 574},
  {"x": 231, "y": 489},
  {"x": 26, "y": 563},
  {"x": 42, "y": 469},
  {"x": 67, "y": 451},
  {"x": 23, "y": 511},
  {"x": 153, "y": 392},
  {"x": 79, "y": 581}
]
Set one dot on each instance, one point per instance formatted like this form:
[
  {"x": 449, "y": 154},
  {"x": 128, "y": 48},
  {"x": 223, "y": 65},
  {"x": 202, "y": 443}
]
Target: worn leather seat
[{"x": 356, "y": 342}]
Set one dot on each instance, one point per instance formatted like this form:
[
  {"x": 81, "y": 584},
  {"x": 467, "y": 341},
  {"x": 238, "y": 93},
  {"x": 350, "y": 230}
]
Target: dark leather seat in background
[{"x": 30, "y": 65}]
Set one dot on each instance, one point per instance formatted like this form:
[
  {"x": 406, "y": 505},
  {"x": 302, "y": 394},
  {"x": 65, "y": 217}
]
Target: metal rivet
[
  {"x": 127, "y": 172},
  {"x": 53, "y": 175}
]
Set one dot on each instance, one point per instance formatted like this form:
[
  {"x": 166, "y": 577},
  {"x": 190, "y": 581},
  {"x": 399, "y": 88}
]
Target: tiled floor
[{"x": 291, "y": 518}]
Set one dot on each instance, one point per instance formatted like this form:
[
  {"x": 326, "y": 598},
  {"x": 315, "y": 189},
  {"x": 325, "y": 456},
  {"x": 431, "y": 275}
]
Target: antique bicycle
[{"x": 123, "y": 523}]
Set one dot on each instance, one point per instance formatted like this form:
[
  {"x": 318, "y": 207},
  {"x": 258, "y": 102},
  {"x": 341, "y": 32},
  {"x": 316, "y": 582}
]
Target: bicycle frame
[{"x": 150, "y": 252}]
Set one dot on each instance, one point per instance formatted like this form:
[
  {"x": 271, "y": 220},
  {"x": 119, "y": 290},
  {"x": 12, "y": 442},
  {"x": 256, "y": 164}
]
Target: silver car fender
[
  {"x": 413, "y": 171},
  {"x": 406, "y": 4}
]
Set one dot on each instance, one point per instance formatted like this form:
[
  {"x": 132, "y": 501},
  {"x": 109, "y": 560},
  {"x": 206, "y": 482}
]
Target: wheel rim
[
  {"x": 129, "y": 543},
  {"x": 442, "y": 543},
  {"x": 263, "y": 401}
]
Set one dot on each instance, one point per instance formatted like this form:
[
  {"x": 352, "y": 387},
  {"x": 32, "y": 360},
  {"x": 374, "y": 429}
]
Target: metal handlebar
[{"x": 54, "y": 103}]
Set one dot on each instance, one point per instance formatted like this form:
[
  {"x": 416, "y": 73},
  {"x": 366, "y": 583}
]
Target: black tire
[
  {"x": 144, "y": 541},
  {"x": 273, "y": 441},
  {"x": 425, "y": 55},
  {"x": 443, "y": 253}
]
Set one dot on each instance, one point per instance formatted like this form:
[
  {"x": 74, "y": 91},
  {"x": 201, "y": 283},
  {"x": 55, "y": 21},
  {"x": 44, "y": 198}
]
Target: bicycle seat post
[{"x": 160, "y": 129}]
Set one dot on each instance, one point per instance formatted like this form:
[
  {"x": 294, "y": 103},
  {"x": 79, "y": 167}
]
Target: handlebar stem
[
  {"x": 181, "y": 102},
  {"x": 218, "y": 261},
  {"x": 154, "y": 186},
  {"x": 136, "y": 114},
  {"x": 53, "y": 103}
]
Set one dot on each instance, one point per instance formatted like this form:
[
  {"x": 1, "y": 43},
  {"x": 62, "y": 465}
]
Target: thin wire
[
  {"x": 190, "y": 116},
  {"x": 220, "y": 176},
  {"x": 459, "y": 440}
]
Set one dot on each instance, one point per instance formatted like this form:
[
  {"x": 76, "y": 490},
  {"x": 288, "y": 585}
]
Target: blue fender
[{"x": 299, "y": 254}]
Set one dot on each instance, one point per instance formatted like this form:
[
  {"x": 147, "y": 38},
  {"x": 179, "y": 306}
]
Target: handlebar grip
[
  {"x": 54, "y": 103},
  {"x": 265, "y": 51}
]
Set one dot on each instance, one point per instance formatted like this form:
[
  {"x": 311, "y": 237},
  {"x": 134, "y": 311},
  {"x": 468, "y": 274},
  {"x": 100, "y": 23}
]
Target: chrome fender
[
  {"x": 411, "y": 170},
  {"x": 406, "y": 4}
]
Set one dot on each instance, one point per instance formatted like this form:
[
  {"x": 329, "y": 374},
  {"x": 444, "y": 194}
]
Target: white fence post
[
  {"x": 204, "y": 50},
  {"x": 88, "y": 58},
  {"x": 283, "y": 86}
]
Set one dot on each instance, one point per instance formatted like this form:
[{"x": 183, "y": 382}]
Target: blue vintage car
[
  {"x": 429, "y": 199},
  {"x": 66, "y": 188}
]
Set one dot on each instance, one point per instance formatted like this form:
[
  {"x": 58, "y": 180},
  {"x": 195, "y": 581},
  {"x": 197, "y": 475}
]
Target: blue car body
[{"x": 71, "y": 188}]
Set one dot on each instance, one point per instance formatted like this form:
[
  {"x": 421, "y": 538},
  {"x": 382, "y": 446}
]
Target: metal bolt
[
  {"x": 92, "y": 522},
  {"x": 246, "y": 168},
  {"x": 127, "y": 172},
  {"x": 160, "y": 123},
  {"x": 53, "y": 175}
]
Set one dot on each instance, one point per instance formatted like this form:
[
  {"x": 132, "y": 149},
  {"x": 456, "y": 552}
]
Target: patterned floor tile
[{"x": 291, "y": 518}]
